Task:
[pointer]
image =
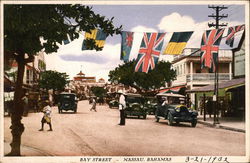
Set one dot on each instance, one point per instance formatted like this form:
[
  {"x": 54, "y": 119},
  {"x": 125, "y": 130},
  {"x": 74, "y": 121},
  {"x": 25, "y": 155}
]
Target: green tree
[
  {"x": 98, "y": 91},
  {"x": 29, "y": 29},
  {"x": 143, "y": 82},
  {"x": 53, "y": 80}
]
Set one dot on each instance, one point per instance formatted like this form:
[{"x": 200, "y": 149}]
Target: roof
[
  {"x": 169, "y": 95},
  {"x": 132, "y": 94},
  {"x": 172, "y": 89},
  {"x": 80, "y": 73},
  {"x": 225, "y": 84}
]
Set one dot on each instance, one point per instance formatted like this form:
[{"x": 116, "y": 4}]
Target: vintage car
[
  {"x": 134, "y": 106},
  {"x": 151, "y": 105},
  {"x": 177, "y": 114},
  {"x": 174, "y": 109},
  {"x": 112, "y": 99},
  {"x": 67, "y": 101},
  {"x": 113, "y": 103}
]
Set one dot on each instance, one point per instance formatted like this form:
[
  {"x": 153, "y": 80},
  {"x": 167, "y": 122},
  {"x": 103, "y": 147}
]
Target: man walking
[
  {"x": 93, "y": 105},
  {"x": 122, "y": 105}
]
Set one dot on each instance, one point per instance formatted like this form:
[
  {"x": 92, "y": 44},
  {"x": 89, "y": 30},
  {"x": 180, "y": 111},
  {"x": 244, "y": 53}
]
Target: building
[
  {"x": 191, "y": 76},
  {"x": 32, "y": 72},
  {"x": 82, "y": 84}
]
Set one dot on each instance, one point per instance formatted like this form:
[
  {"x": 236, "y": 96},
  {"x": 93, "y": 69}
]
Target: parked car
[
  {"x": 67, "y": 101},
  {"x": 134, "y": 106},
  {"x": 177, "y": 114},
  {"x": 151, "y": 105},
  {"x": 113, "y": 103}
]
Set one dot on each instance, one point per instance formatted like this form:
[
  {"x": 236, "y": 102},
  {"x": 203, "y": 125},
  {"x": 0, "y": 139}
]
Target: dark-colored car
[
  {"x": 67, "y": 101},
  {"x": 113, "y": 103},
  {"x": 151, "y": 105},
  {"x": 176, "y": 113},
  {"x": 134, "y": 106}
]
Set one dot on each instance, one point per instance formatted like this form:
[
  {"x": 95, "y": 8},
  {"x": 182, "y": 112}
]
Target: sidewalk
[
  {"x": 228, "y": 123},
  {"x": 25, "y": 151}
]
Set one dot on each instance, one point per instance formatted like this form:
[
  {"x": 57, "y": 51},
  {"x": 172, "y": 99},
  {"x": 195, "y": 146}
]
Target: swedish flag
[
  {"x": 98, "y": 35},
  {"x": 177, "y": 43}
]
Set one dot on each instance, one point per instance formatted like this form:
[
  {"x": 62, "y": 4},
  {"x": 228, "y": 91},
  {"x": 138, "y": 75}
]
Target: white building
[{"x": 189, "y": 72}]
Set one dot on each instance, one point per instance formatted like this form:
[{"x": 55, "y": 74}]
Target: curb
[{"x": 221, "y": 126}]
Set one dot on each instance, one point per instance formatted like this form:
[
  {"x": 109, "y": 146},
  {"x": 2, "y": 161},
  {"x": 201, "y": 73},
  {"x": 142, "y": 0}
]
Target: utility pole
[{"x": 217, "y": 25}]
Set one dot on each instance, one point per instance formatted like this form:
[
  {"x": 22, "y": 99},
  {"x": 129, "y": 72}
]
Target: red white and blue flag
[
  {"x": 232, "y": 37},
  {"x": 232, "y": 32},
  {"x": 209, "y": 48},
  {"x": 149, "y": 52},
  {"x": 126, "y": 45}
]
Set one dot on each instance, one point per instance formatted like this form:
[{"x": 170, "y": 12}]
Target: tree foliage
[
  {"x": 143, "y": 82},
  {"x": 98, "y": 91},
  {"x": 26, "y": 25},
  {"x": 29, "y": 29},
  {"x": 53, "y": 80}
]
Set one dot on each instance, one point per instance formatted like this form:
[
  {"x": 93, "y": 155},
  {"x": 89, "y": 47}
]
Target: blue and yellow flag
[
  {"x": 98, "y": 35},
  {"x": 177, "y": 43},
  {"x": 127, "y": 42}
]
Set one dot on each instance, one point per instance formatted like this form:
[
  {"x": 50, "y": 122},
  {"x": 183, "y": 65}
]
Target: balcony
[{"x": 207, "y": 77}]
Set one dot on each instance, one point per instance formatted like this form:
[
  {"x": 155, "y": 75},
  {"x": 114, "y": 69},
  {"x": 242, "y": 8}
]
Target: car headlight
[{"x": 178, "y": 109}]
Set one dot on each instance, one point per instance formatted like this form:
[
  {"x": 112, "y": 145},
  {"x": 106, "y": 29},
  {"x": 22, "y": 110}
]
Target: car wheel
[
  {"x": 157, "y": 119},
  {"x": 170, "y": 119},
  {"x": 177, "y": 123},
  {"x": 193, "y": 123},
  {"x": 144, "y": 116}
]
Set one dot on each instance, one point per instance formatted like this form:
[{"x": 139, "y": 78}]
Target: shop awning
[
  {"x": 171, "y": 90},
  {"x": 223, "y": 85},
  {"x": 170, "y": 95}
]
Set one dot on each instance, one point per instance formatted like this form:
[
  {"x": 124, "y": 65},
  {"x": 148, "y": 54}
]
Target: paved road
[{"x": 97, "y": 134}]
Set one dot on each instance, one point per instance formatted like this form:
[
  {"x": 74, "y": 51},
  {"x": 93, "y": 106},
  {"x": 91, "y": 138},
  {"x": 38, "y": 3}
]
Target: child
[{"x": 47, "y": 116}]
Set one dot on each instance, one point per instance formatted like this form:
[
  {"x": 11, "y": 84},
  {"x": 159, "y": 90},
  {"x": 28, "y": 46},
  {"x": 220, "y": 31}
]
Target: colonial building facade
[{"x": 189, "y": 72}]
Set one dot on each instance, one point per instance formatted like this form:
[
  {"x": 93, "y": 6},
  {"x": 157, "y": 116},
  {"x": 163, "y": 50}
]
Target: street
[{"x": 90, "y": 133}]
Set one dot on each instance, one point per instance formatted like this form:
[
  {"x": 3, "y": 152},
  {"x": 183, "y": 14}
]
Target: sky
[{"x": 138, "y": 18}]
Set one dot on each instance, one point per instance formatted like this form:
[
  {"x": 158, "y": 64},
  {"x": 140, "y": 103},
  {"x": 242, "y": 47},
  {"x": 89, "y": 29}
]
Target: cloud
[{"x": 175, "y": 22}]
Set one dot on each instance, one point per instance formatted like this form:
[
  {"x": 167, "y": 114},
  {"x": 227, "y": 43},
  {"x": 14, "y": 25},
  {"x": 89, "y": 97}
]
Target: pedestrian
[
  {"x": 25, "y": 104},
  {"x": 93, "y": 105},
  {"x": 122, "y": 105},
  {"x": 47, "y": 116},
  {"x": 165, "y": 102}
]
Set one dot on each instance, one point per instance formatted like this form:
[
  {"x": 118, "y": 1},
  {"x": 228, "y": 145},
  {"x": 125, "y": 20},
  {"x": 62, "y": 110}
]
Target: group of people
[
  {"x": 122, "y": 105},
  {"x": 47, "y": 110}
]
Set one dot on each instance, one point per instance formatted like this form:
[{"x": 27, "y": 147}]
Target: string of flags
[{"x": 152, "y": 44}]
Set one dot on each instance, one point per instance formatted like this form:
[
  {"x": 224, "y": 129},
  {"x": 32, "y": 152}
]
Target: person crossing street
[{"x": 47, "y": 116}]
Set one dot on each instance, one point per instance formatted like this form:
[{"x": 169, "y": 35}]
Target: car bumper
[{"x": 184, "y": 119}]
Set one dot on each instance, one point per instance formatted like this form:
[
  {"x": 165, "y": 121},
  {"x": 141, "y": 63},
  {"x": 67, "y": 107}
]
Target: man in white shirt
[{"x": 122, "y": 105}]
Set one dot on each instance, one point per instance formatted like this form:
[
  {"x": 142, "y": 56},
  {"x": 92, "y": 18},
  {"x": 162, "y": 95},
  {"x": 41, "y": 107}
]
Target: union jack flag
[
  {"x": 149, "y": 52},
  {"x": 231, "y": 34},
  {"x": 209, "y": 48}
]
